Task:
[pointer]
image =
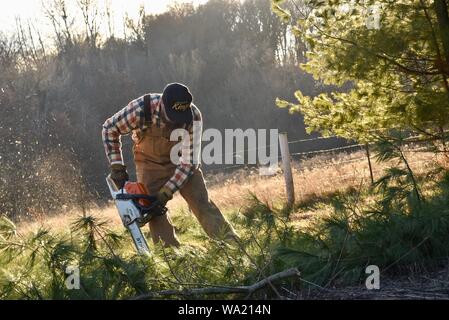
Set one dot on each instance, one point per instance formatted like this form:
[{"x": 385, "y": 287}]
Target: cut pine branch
[{"x": 222, "y": 289}]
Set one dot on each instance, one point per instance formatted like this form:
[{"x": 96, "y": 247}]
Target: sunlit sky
[{"x": 31, "y": 10}]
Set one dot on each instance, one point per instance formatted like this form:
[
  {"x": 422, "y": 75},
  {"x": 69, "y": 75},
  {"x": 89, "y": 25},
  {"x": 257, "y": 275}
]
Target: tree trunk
[{"x": 441, "y": 10}]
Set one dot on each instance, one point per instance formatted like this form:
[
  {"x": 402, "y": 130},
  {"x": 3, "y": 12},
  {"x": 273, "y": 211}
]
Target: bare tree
[
  {"x": 90, "y": 11},
  {"x": 57, "y": 12},
  {"x": 110, "y": 18}
]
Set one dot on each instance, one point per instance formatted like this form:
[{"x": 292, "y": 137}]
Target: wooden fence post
[{"x": 287, "y": 168}]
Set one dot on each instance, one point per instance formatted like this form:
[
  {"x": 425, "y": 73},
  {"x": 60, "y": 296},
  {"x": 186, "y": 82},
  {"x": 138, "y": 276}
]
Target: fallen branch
[{"x": 221, "y": 289}]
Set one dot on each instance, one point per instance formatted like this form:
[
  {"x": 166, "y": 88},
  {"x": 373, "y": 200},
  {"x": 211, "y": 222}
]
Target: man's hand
[
  {"x": 164, "y": 195},
  {"x": 119, "y": 174}
]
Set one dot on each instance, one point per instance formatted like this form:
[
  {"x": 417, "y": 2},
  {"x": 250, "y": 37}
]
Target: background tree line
[{"x": 237, "y": 57}]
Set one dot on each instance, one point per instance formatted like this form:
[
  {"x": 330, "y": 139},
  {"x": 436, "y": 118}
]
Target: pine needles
[
  {"x": 35, "y": 266},
  {"x": 387, "y": 226}
]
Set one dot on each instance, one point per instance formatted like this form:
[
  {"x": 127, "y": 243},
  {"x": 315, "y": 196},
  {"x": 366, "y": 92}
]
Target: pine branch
[{"x": 221, "y": 289}]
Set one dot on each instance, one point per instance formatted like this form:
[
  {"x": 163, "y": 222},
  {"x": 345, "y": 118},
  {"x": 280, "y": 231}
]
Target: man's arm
[
  {"x": 191, "y": 154},
  {"x": 123, "y": 122}
]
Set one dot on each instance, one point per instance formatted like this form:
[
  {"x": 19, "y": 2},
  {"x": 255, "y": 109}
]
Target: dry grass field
[{"x": 314, "y": 178}]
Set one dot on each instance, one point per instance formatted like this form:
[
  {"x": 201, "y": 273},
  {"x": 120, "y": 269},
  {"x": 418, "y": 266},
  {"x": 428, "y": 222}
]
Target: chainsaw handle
[
  {"x": 128, "y": 196},
  {"x": 155, "y": 203}
]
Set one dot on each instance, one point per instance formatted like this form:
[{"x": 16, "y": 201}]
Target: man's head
[{"x": 177, "y": 101}]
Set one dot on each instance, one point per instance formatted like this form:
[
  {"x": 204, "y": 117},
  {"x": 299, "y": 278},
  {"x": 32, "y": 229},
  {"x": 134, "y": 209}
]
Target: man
[{"x": 151, "y": 119}]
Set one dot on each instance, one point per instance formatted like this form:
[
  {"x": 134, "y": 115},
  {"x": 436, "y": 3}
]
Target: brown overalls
[{"x": 154, "y": 168}]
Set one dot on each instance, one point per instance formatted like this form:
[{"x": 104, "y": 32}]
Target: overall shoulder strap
[{"x": 147, "y": 107}]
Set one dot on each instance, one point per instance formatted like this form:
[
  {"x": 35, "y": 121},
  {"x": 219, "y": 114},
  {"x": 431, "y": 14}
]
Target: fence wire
[{"x": 298, "y": 155}]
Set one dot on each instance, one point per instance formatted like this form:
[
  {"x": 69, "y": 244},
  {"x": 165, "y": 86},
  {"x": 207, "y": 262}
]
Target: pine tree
[{"x": 392, "y": 55}]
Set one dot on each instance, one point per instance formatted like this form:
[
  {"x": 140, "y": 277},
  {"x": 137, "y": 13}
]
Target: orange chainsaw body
[{"x": 138, "y": 188}]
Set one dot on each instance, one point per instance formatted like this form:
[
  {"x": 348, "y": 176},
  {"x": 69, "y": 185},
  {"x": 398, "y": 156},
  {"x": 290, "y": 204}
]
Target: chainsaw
[{"x": 136, "y": 208}]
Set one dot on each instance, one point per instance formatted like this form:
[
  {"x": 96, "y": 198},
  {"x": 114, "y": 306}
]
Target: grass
[{"x": 334, "y": 231}]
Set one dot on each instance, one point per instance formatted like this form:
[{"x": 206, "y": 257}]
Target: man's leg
[
  {"x": 161, "y": 228},
  {"x": 205, "y": 210}
]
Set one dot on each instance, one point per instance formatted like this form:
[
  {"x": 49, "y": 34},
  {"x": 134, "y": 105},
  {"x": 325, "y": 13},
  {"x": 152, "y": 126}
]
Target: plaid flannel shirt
[{"x": 132, "y": 118}]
